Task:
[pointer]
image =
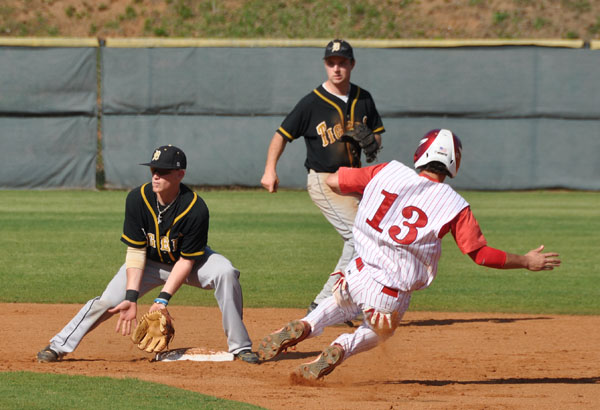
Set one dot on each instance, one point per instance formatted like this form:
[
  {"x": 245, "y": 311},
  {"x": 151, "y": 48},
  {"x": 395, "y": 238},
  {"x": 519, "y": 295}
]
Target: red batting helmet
[{"x": 442, "y": 146}]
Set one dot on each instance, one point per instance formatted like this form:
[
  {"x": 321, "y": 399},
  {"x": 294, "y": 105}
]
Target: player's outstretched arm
[{"x": 534, "y": 260}]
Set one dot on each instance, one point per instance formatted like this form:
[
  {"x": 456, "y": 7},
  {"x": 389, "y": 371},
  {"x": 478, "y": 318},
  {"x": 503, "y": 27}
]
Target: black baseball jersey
[
  {"x": 321, "y": 118},
  {"x": 182, "y": 232}
]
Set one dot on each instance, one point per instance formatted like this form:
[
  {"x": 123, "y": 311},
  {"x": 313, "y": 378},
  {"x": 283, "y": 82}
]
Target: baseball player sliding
[
  {"x": 398, "y": 232},
  {"x": 165, "y": 230}
]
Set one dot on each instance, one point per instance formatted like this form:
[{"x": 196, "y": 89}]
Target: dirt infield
[{"x": 434, "y": 361}]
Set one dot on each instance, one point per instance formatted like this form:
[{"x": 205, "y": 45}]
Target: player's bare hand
[
  {"x": 542, "y": 261},
  {"x": 270, "y": 181},
  {"x": 127, "y": 314}
]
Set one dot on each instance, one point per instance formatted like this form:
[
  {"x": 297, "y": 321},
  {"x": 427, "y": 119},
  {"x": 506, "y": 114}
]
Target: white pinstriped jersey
[{"x": 397, "y": 226}]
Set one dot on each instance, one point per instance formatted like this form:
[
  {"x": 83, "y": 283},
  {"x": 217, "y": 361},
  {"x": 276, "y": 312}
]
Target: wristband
[
  {"x": 132, "y": 295},
  {"x": 164, "y": 295},
  {"x": 161, "y": 301}
]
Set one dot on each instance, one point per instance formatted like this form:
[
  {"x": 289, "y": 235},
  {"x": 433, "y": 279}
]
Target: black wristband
[
  {"x": 132, "y": 295},
  {"x": 164, "y": 295}
]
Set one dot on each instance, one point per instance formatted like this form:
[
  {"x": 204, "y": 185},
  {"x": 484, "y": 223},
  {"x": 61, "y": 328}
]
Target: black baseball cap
[
  {"x": 339, "y": 48},
  {"x": 167, "y": 157}
]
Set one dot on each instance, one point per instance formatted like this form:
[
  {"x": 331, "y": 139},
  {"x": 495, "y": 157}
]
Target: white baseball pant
[{"x": 364, "y": 292}]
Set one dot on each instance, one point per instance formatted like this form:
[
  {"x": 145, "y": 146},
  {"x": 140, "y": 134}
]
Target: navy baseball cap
[
  {"x": 167, "y": 157},
  {"x": 339, "y": 48}
]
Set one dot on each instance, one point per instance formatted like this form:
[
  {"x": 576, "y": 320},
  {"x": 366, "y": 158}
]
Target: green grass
[
  {"x": 565, "y": 222},
  {"x": 64, "y": 247},
  {"x": 24, "y": 390}
]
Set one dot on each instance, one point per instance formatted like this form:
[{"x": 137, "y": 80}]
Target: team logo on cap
[
  {"x": 156, "y": 155},
  {"x": 336, "y": 46}
]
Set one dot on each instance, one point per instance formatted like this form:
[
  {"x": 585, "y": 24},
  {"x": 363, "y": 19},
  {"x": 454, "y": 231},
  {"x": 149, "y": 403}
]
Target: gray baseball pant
[
  {"x": 340, "y": 211},
  {"x": 214, "y": 271}
]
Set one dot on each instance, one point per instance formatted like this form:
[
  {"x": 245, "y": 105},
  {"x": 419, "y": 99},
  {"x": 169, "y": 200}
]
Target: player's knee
[
  {"x": 102, "y": 304},
  {"x": 227, "y": 273},
  {"x": 110, "y": 300}
]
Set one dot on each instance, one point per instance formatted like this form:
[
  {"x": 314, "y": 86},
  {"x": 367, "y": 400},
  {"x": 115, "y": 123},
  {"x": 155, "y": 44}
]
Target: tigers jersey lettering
[
  {"x": 182, "y": 232},
  {"x": 321, "y": 117}
]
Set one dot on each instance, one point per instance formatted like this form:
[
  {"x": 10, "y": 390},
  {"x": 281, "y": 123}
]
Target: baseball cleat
[
  {"x": 288, "y": 336},
  {"x": 47, "y": 355},
  {"x": 247, "y": 356},
  {"x": 328, "y": 360}
]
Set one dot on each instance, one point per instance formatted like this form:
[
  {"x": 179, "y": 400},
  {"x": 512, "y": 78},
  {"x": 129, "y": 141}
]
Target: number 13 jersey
[{"x": 398, "y": 224}]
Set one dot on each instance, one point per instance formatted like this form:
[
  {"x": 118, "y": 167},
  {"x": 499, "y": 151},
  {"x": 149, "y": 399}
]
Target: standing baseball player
[
  {"x": 323, "y": 117},
  {"x": 398, "y": 232},
  {"x": 166, "y": 231}
]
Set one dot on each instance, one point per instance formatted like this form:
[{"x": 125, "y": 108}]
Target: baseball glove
[
  {"x": 154, "y": 332},
  {"x": 365, "y": 138}
]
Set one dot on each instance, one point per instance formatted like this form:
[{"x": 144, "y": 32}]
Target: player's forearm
[
  {"x": 378, "y": 139},
  {"x": 533, "y": 260},
  {"x": 134, "y": 279},
  {"x": 498, "y": 259},
  {"x": 276, "y": 148},
  {"x": 514, "y": 261},
  {"x": 181, "y": 270},
  {"x": 135, "y": 261}
]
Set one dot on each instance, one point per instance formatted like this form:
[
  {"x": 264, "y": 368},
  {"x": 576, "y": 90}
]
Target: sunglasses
[{"x": 160, "y": 172}]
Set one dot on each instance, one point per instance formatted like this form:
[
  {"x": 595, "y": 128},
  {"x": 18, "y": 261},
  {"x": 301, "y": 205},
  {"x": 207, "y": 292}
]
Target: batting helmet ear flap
[{"x": 439, "y": 145}]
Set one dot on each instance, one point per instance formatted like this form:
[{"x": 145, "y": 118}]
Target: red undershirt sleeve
[
  {"x": 353, "y": 180},
  {"x": 470, "y": 240},
  {"x": 488, "y": 256},
  {"x": 466, "y": 231}
]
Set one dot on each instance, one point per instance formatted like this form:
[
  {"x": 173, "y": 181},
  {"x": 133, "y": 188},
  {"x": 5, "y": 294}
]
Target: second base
[{"x": 196, "y": 354}]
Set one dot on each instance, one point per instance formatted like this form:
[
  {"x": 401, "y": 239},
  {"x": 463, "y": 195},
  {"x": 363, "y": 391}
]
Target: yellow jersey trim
[
  {"x": 354, "y": 105},
  {"x": 155, "y": 221},
  {"x": 192, "y": 254},
  {"x": 339, "y": 110},
  {"x": 128, "y": 239},
  {"x": 285, "y": 133},
  {"x": 181, "y": 215}
]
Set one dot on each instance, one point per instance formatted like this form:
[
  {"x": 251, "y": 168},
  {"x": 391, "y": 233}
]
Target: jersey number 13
[{"x": 403, "y": 236}]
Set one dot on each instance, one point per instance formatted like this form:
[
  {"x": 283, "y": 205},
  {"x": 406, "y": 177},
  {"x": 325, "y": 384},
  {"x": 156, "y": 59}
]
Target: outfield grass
[{"x": 63, "y": 247}]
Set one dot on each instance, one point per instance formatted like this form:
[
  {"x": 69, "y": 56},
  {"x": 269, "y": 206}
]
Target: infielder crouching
[
  {"x": 166, "y": 231},
  {"x": 398, "y": 231}
]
